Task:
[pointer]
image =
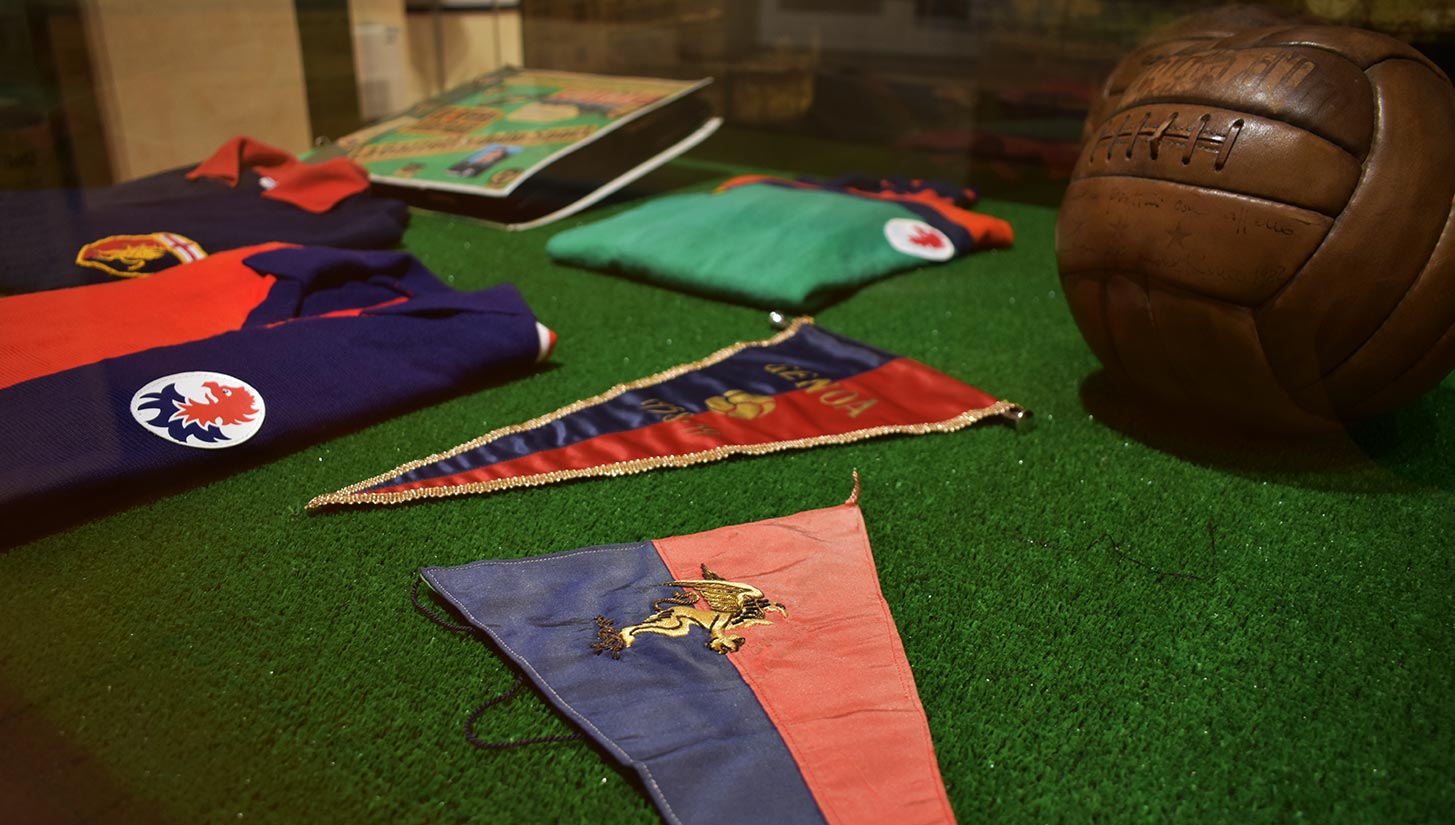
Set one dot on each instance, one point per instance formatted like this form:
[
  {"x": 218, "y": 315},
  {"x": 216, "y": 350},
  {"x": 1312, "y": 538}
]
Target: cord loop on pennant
[
  {"x": 492, "y": 701},
  {"x": 433, "y": 616},
  {"x": 485, "y": 744}
]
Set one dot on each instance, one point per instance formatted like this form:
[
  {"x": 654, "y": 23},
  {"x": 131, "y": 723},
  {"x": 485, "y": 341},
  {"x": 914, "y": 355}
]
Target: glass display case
[
  {"x": 996, "y": 91},
  {"x": 1127, "y": 324}
]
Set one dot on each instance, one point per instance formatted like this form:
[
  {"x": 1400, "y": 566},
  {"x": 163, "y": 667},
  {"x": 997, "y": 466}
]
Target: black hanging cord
[
  {"x": 513, "y": 743},
  {"x": 492, "y": 701},
  {"x": 433, "y": 616}
]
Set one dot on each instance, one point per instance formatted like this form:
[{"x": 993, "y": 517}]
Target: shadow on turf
[
  {"x": 666, "y": 180},
  {"x": 49, "y": 776},
  {"x": 1392, "y": 452}
]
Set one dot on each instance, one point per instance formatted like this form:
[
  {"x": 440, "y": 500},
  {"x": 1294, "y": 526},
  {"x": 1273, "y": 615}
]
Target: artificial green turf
[{"x": 1086, "y": 646}]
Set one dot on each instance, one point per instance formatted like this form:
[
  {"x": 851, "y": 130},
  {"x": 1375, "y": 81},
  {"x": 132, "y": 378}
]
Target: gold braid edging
[
  {"x": 346, "y": 493},
  {"x": 641, "y": 465}
]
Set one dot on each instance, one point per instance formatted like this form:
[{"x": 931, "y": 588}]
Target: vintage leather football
[
  {"x": 1198, "y": 29},
  {"x": 1263, "y": 227}
]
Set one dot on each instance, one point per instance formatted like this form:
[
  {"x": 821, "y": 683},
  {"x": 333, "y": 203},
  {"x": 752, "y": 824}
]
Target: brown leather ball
[
  {"x": 1196, "y": 30},
  {"x": 1263, "y": 228}
]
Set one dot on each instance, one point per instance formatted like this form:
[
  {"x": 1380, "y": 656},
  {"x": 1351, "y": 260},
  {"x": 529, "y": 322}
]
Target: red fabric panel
[
  {"x": 47, "y": 332},
  {"x": 832, "y": 676},
  {"x": 315, "y": 187},
  {"x": 904, "y": 391},
  {"x": 230, "y": 159},
  {"x": 344, "y": 313}
]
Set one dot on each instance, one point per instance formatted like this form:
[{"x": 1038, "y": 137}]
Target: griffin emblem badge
[
  {"x": 730, "y": 606},
  {"x": 919, "y": 239},
  {"x": 136, "y": 256},
  {"x": 209, "y": 410}
]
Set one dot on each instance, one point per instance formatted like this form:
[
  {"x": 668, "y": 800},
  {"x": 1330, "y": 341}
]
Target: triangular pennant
[
  {"x": 802, "y": 388},
  {"x": 754, "y": 668}
]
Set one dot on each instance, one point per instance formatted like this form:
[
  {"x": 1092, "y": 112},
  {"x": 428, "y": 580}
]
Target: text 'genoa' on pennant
[{"x": 802, "y": 388}]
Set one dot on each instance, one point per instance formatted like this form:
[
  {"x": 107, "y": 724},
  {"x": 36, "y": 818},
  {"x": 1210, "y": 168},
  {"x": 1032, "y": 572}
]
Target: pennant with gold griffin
[{"x": 730, "y": 606}]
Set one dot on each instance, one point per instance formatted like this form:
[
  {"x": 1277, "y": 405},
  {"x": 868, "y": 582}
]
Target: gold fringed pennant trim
[
  {"x": 351, "y": 494},
  {"x": 642, "y": 465},
  {"x": 345, "y": 495}
]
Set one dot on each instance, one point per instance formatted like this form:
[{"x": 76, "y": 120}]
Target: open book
[{"x": 525, "y": 147}]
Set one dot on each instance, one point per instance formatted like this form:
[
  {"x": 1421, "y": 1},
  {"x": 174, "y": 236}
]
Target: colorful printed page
[{"x": 490, "y": 135}]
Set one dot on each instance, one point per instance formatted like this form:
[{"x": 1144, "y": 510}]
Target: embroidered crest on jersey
[
  {"x": 919, "y": 239},
  {"x": 210, "y": 410},
  {"x": 135, "y": 256},
  {"x": 730, "y": 606}
]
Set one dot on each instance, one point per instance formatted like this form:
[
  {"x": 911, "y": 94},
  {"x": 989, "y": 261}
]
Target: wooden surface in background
[
  {"x": 472, "y": 46},
  {"x": 176, "y": 78}
]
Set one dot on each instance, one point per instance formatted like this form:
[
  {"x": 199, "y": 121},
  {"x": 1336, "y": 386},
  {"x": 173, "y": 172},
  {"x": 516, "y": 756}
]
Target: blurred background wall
[{"x": 989, "y": 90}]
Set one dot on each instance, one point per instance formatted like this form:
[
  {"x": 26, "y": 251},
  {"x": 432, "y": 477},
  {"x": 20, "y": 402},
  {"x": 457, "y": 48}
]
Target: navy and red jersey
[
  {"x": 342, "y": 338},
  {"x": 247, "y": 193},
  {"x": 47, "y": 332}
]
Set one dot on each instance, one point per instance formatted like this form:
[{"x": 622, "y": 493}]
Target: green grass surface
[{"x": 1084, "y": 650}]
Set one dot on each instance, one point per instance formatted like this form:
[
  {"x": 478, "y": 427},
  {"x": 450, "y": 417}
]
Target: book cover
[{"x": 523, "y": 147}]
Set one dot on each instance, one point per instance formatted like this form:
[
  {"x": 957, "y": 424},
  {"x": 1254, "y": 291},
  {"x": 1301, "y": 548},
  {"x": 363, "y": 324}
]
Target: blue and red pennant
[
  {"x": 802, "y": 388},
  {"x": 749, "y": 672}
]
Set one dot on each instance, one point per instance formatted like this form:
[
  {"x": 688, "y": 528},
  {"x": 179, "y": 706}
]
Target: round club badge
[
  {"x": 919, "y": 239},
  {"x": 209, "y": 410},
  {"x": 136, "y": 256}
]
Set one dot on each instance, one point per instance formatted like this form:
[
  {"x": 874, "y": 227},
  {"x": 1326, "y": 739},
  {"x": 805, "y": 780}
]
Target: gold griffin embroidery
[
  {"x": 133, "y": 257},
  {"x": 127, "y": 256},
  {"x": 730, "y": 606}
]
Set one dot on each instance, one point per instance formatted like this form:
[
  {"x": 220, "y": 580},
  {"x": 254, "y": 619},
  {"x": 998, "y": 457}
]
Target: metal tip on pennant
[
  {"x": 1020, "y": 419},
  {"x": 779, "y": 320},
  {"x": 854, "y": 497}
]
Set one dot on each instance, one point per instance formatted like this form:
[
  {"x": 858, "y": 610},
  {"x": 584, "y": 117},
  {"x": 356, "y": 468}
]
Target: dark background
[{"x": 992, "y": 92}]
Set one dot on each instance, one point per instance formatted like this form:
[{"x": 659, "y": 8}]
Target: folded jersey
[
  {"x": 245, "y": 194},
  {"x": 340, "y": 339},
  {"x": 794, "y": 245}
]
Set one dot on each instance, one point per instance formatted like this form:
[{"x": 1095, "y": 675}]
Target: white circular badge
[
  {"x": 919, "y": 239},
  {"x": 209, "y": 410}
]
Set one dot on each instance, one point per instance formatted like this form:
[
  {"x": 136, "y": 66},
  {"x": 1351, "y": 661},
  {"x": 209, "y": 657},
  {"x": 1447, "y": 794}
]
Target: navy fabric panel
[
  {"x": 42, "y": 231},
  {"x": 314, "y": 281},
  {"x": 673, "y": 710},
  {"x": 898, "y": 184},
  {"x": 71, "y": 435},
  {"x": 170, "y": 185},
  {"x": 812, "y": 348}
]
